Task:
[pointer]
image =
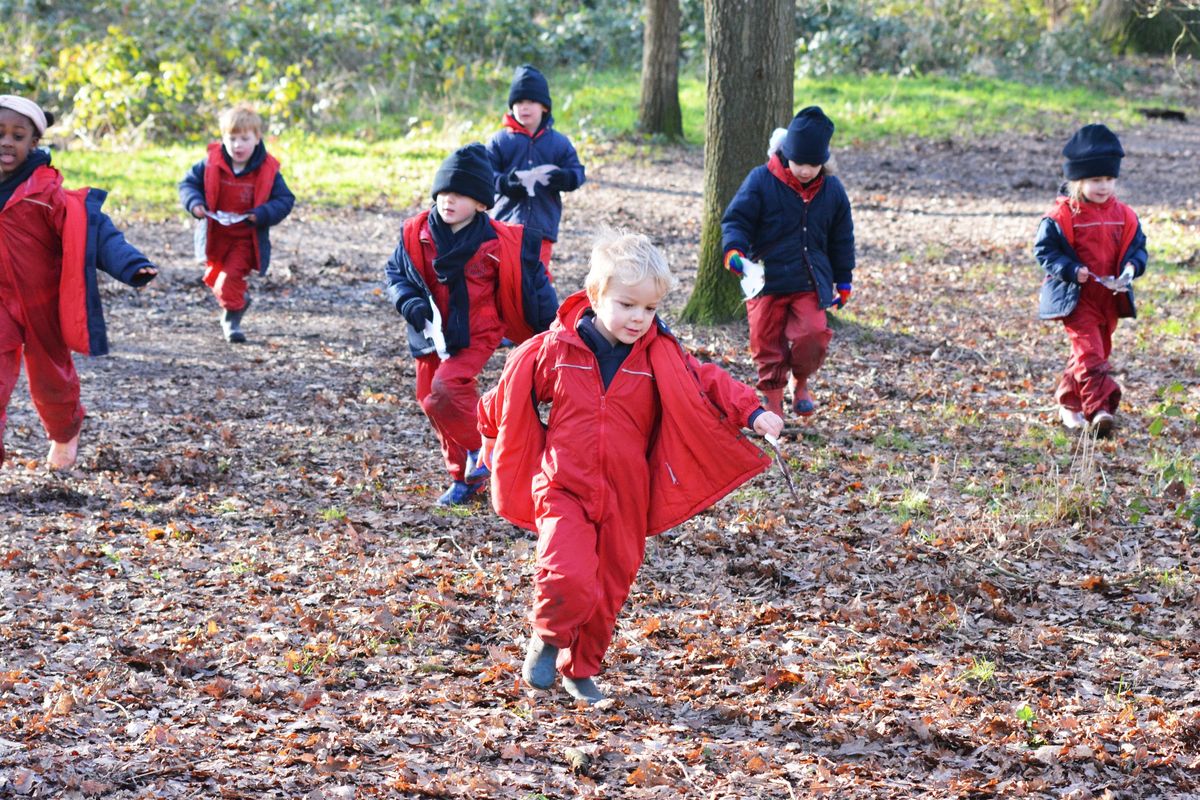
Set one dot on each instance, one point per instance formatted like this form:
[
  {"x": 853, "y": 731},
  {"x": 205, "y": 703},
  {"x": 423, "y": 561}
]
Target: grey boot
[
  {"x": 231, "y": 323},
  {"x": 539, "y": 670},
  {"x": 583, "y": 689}
]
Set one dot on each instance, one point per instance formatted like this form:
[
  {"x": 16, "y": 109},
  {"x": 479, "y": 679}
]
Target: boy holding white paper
[
  {"x": 241, "y": 192},
  {"x": 791, "y": 220},
  {"x": 463, "y": 282}
]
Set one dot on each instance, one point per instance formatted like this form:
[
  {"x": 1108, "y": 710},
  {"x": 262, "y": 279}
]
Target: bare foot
[{"x": 62, "y": 454}]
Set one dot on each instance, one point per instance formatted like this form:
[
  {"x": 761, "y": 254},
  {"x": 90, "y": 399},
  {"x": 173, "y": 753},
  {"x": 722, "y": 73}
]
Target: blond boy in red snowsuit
[{"x": 641, "y": 437}]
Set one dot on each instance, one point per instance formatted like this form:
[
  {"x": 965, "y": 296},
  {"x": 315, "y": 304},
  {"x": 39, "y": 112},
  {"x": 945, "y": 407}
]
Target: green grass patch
[{"x": 385, "y": 159}]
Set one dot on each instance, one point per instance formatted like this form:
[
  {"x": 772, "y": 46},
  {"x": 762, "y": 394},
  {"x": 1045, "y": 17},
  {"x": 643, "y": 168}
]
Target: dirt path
[{"x": 244, "y": 592}]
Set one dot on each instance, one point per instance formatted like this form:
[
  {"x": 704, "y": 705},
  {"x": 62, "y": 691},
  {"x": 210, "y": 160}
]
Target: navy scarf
[{"x": 454, "y": 250}]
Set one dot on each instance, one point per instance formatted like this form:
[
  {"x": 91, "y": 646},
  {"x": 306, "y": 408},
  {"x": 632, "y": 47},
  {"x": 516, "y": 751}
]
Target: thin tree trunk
[
  {"x": 749, "y": 59},
  {"x": 659, "y": 111}
]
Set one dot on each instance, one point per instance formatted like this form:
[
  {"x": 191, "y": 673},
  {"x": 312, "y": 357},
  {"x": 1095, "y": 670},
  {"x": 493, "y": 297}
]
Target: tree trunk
[
  {"x": 749, "y": 59},
  {"x": 659, "y": 111}
]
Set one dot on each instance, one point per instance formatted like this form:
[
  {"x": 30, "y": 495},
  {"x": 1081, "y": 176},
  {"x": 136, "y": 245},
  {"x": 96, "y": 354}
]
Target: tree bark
[
  {"x": 659, "y": 111},
  {"x": 750, "y": 61}
]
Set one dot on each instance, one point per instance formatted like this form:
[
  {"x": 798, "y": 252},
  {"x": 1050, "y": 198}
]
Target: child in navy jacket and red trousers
[
  {"x": 641, "y": 436},
  {"x": 458, "y": 276},
  {"x": 792, "y": 216},
  {"x": 1092, "y": 247},
  {"x": 240, "y": 182},
  {"x": 534, "y": 164},
  {"x": 52, "y": 241}
]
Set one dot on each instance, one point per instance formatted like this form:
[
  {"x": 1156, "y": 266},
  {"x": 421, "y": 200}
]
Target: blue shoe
[
  {"x": 476, "y": 473},
  {"x": 804, "y": 406},
  {"x": 539, "y": 670},
  {"x": 583, "y": 689},
  {"x": 459, "y": 493}
]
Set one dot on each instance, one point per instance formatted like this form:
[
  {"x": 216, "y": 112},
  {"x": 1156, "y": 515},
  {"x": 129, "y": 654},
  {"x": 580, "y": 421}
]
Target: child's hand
[
  {"x": 253, "y": 220},
  {"x": 844, "y": 291},
  {"x": 198, "y": 211},
  {"x": 1082, "y": 274},
  {"x": 556, "y": 179},
  {"x": 733, "y": 262},
  {"x": 144, "y": 276},
  {"x": 768, "y": 424}
]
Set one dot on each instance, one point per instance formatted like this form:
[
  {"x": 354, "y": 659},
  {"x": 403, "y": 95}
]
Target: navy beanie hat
[
  {"x": 529, "y": 84},
  {"x": 467, "y": 171},
  {"x": 1093, "y": 152},
  {"x": 808, "y": 135}
]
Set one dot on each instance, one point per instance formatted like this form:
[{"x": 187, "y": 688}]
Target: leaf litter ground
[{"x": 244, "y": 592}]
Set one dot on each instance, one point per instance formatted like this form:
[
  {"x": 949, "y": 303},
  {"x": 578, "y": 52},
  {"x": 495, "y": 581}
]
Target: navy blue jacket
[
  {"x": 272, "y": 212},
  {"x": 1060, "y": 291},
  {"x": 802, "y": 246},
  {"x": 513, "y": 148},
  {"x": 106, "y": 250}
]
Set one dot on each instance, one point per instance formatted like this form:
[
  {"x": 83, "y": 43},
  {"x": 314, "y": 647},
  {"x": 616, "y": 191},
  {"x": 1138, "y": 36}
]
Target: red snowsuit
[
  {"x": 233, "y": 251},
  {"x": 1100, "y": 235},
  {"x": 612, "y": 467},
  {"x": 448, "y": 390}
]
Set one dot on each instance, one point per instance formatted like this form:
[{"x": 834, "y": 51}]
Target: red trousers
[
  {"x": 448, "y": 392},
  {"x": 53, "y": 382},
  {"x": 789, "y": 335},
  {"x": 229, "y": 271},
  {"x": 1087, "y": 384},
  {"x": 584, "y": 569}
]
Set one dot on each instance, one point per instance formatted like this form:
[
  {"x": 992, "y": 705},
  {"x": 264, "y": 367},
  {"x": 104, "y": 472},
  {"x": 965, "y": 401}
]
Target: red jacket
[
  {"x": 52, "y": 241},
  {"x": 218, "y": 170},
  {"x": 667, "y": 424}
]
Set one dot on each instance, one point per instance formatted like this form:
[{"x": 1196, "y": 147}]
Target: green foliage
[
  {"x": 166, "y": 68},
  {"x": 1008, "y": 39}
]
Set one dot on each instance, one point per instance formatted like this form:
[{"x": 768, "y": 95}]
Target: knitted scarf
[{"x": 454, "y": 250}]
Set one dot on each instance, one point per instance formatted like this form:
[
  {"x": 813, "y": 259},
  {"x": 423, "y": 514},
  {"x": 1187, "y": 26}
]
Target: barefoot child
[
  {"x": 1092, "y": 247},
  {"x": 792, "y": 216},
  {"x": 641, "y": 436},
  {"x": 52, "y": 241},
  {"x": 458, "y": 276},
  {"x": 240, "y": 190}
]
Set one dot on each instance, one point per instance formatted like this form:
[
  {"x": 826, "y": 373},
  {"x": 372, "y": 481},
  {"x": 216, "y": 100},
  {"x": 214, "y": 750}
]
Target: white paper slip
[
  {"x": 226, "y": 218},
  {"x": 532, "y": 177},
  {"x": 433, "y": 331},
  {"x": 753, "y": 278}
]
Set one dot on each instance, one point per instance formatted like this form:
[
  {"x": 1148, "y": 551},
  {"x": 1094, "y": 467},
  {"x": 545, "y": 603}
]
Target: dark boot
[
  {"x": 583, "y": 689},
  {"x": 231, "y": 323},
  {"x": 539, "y": 670}
]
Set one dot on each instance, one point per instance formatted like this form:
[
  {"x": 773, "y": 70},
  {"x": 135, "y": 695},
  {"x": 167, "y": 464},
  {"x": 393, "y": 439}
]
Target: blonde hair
[
  {"x": 241, "y": 117},
  {"x": 1075, "y": 194},
  {"x": 627, "y": 258}
]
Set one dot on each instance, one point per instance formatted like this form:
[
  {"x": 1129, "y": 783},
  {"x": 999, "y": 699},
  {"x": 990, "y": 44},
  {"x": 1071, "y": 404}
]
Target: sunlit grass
[{"x": 376, "y": 156}]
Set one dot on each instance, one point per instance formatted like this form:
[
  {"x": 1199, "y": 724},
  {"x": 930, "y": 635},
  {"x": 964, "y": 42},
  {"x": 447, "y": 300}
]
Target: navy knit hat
[
  {"x": 529, "y": 84},
  {"x": 1093, "y": 152},
  {"x": 808, "y": 135},
  {"x": 466, "y": 171}
]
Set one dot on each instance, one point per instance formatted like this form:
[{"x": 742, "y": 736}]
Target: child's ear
[{"x": 480, "y": 207}]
